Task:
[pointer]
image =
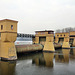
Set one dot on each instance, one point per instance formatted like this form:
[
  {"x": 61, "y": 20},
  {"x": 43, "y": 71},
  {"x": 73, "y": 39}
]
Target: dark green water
[{"x": 60, "y": 63}]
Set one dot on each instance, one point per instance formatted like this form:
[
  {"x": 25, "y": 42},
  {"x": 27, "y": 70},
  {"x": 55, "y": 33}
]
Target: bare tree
[
  {"x": 68, "y": 29},
  {"x": 74, "y": 29},
  {"x": 63, "y": 30},
  {"x": 58, "y": 31}
]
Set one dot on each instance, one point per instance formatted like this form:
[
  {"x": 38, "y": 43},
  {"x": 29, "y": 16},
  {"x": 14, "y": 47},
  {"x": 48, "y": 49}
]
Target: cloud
[{"x": 39, "y": 14}]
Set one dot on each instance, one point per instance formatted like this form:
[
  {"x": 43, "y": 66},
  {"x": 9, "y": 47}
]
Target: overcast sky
[{"x": 36, "y": 15}]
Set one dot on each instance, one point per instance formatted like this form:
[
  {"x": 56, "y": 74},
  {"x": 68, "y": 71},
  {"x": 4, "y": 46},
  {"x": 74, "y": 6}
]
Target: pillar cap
[{"x": 8, "y": 20}]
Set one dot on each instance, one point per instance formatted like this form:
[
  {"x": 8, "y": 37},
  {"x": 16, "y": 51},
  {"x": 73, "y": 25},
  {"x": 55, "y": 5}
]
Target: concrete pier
[
  {"x": 8, "y": 29},
  {"x": 63, "y": 39},
  {"x": 66, "y": 43}
]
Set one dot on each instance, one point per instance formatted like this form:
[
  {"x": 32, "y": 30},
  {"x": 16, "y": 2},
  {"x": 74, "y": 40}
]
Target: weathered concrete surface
[
  {"x": 28, "y": 48},
  {"x": 49, "y": 46}
]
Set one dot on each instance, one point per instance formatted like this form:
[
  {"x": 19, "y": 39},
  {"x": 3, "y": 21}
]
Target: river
[{"x": 62, "y": 62}]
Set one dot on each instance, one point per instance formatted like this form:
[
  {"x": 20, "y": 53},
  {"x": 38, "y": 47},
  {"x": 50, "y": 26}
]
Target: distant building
[
  {"x": 41, "y": 36},
  {"x": 23, "y": 39}
]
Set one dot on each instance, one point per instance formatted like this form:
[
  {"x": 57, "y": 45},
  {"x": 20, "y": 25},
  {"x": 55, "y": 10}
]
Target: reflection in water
[
  {"x": 64, "y": 64},
  {"x": 72, "y": 52},
  {"x": 7, "y": 68},
  {"x": 64, "y": 57},
  {"x": 45, "y": 60},
  {"x": 28, "y": 56}
]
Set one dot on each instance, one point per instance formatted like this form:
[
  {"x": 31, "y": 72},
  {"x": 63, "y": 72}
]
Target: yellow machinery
[
  {"x": 8, "y": 29},
  {"x": 45, "y": 38}
]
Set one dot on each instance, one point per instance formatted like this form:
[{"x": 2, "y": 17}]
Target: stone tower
[{"x": 8, "y": 30}]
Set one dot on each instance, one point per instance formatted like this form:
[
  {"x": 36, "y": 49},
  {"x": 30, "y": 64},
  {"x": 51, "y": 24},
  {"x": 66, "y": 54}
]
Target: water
[{"x": 60, "y": 63}]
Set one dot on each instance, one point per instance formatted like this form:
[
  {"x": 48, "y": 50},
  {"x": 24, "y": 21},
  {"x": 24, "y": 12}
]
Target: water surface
[{"x": 43, "y": 63}]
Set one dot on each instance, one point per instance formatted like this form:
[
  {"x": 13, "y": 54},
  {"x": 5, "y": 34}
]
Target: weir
[{"x": 43, "y": 40}]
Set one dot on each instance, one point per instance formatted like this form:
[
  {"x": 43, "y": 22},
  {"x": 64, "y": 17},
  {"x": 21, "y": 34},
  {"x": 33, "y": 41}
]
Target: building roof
[
  {"x": 8, "y": 20},
  {"x": 61, "y": 32},
  {"x": 45, "y": 31},
  {"x": 72, "y": 31}
]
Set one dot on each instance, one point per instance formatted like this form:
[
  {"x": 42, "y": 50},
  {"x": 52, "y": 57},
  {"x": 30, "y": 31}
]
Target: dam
[
  {"x": 42, "y": 40},
  {"x": 45, "y": 53}
]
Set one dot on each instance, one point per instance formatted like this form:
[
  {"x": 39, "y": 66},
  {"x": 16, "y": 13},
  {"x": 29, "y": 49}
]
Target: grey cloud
[{"x": 39, "y": 14}]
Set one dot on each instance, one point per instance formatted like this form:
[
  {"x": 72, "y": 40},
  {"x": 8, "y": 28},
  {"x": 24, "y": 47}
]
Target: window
[
  {"x": 23, "y": 35},
  {"x": 20, "y": 35},
  {"x": 42, "y": 32},
  {"x": 1, "y": 27},
  {"x": 12, "y": 27},
  {"x": 17, "y": 35},
  {"x": 36, "y": 32},
  {"x": 49, "y": 32}
]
